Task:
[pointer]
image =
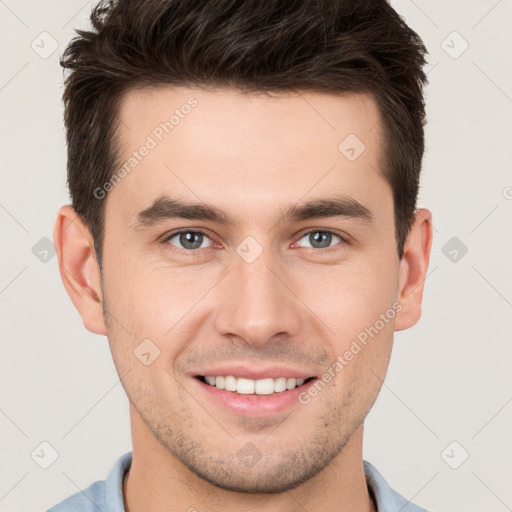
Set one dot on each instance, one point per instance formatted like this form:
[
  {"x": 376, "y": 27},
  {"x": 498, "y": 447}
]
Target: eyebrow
[{"x": 165, "y": 207}]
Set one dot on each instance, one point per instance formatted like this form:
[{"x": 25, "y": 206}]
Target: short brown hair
[{"x": 330, "y": 46}]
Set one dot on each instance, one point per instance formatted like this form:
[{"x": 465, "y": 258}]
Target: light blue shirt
[{"x": 107, "y": 495}]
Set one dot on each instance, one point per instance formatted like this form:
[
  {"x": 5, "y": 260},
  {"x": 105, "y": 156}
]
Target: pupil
[
  {"x": 191, "y": 240},
  {"x": 320, "y": 237}
]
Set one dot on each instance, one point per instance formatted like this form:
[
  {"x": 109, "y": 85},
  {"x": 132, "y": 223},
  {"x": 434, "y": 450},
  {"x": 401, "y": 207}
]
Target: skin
[{"x": 252, "y": 156}]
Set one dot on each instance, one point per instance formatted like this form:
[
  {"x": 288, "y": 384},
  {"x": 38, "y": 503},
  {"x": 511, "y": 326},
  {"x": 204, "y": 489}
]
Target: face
[{"x": 262, "y": 279}]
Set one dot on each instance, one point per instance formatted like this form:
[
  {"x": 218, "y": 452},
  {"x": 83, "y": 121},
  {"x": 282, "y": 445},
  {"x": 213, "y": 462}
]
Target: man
[{"x": 244, "y": 231}]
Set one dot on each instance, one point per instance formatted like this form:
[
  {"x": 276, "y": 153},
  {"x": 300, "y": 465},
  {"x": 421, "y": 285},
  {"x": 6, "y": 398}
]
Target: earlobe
[
  {"x": 78, "y": 268},
  {"x": 413, "y": 270}
]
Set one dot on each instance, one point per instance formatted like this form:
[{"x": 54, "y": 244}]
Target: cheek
[
  {"x": 146, "y": 293},
  {"x": 351, "y": 298},
  {"x": 358, "y": 304},
  {"x": 151, "y": 301}
]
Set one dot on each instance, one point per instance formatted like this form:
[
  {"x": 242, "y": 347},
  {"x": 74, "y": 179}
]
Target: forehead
[
  {"x": 248, "y": 151},
  {"x": 237, "y": 114}
]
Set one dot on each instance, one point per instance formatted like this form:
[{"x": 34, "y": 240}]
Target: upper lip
[{"x": 271, "y": 372}]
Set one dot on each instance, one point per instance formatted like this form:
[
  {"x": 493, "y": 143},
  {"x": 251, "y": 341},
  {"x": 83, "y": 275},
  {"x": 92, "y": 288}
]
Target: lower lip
[{"x": 254, "y": 405}]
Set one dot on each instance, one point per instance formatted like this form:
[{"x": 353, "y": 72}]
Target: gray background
[{"x": 448, "y": 391}]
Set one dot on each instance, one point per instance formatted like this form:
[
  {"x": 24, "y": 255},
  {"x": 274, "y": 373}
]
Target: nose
[{"x": 257, "y": 302}]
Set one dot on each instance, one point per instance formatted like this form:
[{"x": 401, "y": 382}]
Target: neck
[{"x": 157, "y": 481}]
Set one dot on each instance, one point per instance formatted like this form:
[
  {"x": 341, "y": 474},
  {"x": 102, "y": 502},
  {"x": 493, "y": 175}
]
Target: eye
[
  {"x": 188, "y": 240},
  {"x": 321, "y": 239}
]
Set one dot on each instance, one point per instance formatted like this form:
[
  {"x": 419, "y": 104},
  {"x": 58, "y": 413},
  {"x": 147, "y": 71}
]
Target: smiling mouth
[{"x": 243, "y": 386}]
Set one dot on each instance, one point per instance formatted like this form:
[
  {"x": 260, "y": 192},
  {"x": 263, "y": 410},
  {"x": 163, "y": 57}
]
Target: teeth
[
  {"x": 264, "y": 387},
  {"x": 229, "y": 383},
  {"x": 280, "y": 384},
  {"x": 210, "y": 380},
  {"x": 291, "y": 383},
  {"x": 245, "y": 386}
]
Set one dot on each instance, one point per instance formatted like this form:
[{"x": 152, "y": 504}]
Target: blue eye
[
  {"x": 320, "y": 239},
  {"x": 189, "y": 240}
]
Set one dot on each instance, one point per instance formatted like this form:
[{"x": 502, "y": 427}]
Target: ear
[
  {"x": 78, "y": 268},
  {"x": 413, "y": 269}
]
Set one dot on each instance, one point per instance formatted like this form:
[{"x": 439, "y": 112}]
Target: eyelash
[{"x": 197, "y": 252}]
